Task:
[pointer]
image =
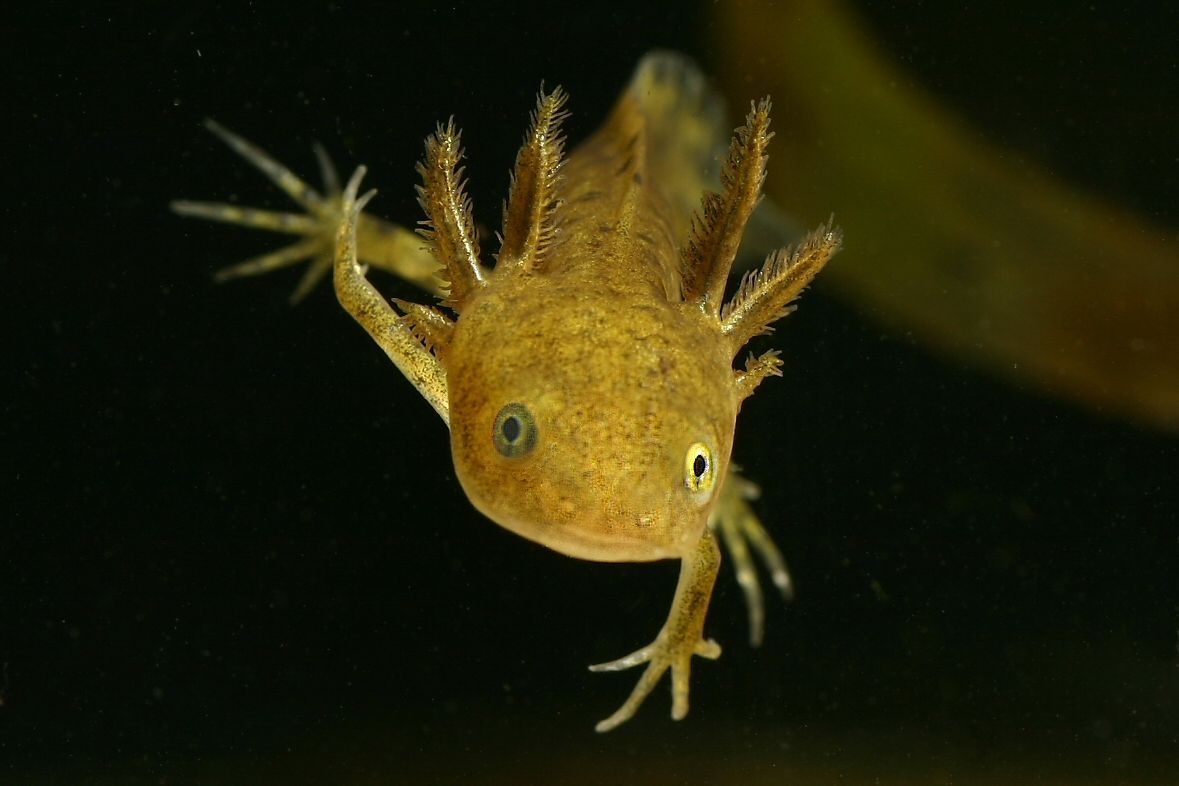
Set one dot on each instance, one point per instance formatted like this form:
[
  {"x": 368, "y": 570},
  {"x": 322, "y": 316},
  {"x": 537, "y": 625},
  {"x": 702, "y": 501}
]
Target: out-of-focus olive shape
[{"x": 975, "y": 253}]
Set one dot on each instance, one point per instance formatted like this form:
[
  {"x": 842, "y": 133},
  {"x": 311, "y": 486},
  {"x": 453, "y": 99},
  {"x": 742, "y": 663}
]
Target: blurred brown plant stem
[{"x": 977, "y": 254}]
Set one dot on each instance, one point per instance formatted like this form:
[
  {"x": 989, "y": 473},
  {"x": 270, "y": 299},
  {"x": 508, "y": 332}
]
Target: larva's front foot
[
  {"x": 664, "y": 653},
  {"x": 681, "y": 637},
  {"x": 317, "y": 225}
]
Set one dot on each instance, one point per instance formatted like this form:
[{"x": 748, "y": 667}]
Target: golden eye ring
[
  {"x": 699, "y": 468},
  {"x": 515, "y": 432}
]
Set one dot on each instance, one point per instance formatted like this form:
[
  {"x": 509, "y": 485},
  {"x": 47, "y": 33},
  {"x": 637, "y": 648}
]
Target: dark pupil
[
  {"x": 700, "y": 465},
  {"x": 511, "y": 428}
]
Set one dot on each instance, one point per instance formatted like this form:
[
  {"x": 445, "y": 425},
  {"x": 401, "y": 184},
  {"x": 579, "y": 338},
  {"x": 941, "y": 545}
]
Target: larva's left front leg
[
  {"x": 745, "y": 537},
  {"x": 682, "y": 637}
]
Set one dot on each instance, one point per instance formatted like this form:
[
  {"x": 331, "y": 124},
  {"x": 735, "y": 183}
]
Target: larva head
[{"x": 601, "y": 437}]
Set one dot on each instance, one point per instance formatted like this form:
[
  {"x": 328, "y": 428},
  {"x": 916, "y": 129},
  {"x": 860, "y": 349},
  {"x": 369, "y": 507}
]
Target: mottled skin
[
  {"x": 587, "y": 378},
  {"x": 595, "y": 485}
]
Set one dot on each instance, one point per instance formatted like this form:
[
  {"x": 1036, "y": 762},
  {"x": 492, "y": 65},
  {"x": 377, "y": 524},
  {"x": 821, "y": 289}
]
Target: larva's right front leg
[{"x": 368, "y": 307}]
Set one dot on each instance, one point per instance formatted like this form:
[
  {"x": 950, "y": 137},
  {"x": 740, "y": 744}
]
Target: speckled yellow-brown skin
[
  {"x": 602, "y": 322},
  {"x": 605, "y": 481}
]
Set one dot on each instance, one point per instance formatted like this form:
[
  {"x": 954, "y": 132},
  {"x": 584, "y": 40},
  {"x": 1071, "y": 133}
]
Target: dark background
[{"x": 234, "y": 549}]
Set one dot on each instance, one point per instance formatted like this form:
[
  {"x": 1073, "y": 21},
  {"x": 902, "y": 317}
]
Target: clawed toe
[{"x": 662, "y": 655}]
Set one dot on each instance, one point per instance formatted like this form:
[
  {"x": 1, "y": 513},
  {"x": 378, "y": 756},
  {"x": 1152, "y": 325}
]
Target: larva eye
[
  {"x": 699, "y": 469},
  {"x": 514, "y": 433}
]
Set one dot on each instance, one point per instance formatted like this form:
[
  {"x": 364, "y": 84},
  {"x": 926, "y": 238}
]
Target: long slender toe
[{"x": 625, "y": 662}]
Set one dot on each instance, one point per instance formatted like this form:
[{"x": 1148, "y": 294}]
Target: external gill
[
  {"x": 449, "y": 225},
  {"x": 765, "y": 294},
  {"x": 429, "y": 325},
  {"x": 717, "y": 230},
  {"x": 530, "y": 212}
]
